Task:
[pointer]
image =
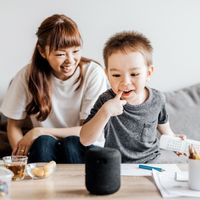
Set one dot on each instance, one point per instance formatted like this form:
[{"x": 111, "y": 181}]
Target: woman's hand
[{"x": 23, "y": 146}]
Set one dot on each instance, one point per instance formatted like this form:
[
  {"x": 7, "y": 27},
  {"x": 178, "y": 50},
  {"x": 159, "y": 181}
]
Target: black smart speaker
[{"x": 102, "y": 170}]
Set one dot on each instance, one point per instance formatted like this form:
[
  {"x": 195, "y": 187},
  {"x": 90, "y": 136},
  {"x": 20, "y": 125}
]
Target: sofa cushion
[
  {"x": 5, "y": 148},
  {"x": 183, "y": 107},
  {"x": 3, "y": 122}
]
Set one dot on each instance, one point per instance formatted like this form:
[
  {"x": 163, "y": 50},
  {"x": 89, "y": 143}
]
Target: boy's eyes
[
  {"x": 76, "y": 50},
  {"x": 133, "y": 74},
  {"x": 116, "y": 75}
]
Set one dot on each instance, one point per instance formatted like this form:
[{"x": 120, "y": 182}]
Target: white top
[{"x": 68, "y": 106}]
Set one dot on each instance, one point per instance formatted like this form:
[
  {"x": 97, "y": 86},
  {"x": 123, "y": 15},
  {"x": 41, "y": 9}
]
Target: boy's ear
[
  {"x": 42, "y": 52},
  {"x": 150, "y": 71}
]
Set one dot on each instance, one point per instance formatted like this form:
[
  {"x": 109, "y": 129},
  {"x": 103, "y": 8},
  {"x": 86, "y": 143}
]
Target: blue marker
[{"x": 150, "y": 168}]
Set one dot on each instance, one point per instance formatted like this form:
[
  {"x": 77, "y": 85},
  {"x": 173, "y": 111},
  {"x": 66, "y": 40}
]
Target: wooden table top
[{"x": 68, "y": 182}]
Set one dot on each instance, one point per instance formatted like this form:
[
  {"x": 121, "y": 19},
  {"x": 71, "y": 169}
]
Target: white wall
[{"x": 173, "y": 26}]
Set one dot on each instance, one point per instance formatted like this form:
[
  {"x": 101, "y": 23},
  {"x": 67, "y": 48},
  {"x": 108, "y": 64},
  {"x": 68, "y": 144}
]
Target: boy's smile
[
  {"x": 128, "y": 72},
  {"x": 127, "y": 93}
]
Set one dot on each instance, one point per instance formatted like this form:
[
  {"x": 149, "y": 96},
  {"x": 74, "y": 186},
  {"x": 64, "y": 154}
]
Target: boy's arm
[
  {"x": 93, "y": 129},
  {"x": 165, "y": 129}
]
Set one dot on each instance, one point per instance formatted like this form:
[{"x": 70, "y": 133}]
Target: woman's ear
[
  {"x": 42, "y": 51},
  {"x": 106, "y": 71},
  {"x": 107, "y": 74}
]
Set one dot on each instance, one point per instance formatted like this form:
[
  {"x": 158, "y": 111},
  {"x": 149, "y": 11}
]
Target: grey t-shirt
[{"x": 133, "y": 132}]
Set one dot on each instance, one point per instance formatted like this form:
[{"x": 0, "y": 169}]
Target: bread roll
[
  {"x": 38, "y": 171},
  {"x": 44, "y": 171},
  {"x": 49, "y": 168}
]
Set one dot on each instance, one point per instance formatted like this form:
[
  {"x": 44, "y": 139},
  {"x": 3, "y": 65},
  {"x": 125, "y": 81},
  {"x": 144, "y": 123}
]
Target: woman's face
[{"x": 63, "y": 61}]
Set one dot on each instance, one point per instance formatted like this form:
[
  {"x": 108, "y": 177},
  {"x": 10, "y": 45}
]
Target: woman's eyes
[
  {"x": 60, "y": 54},
  {"x": 64, "y": 54}
]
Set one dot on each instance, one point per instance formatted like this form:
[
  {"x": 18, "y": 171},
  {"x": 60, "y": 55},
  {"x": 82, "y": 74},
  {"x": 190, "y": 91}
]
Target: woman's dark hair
[{"x": 56, "y": 32}]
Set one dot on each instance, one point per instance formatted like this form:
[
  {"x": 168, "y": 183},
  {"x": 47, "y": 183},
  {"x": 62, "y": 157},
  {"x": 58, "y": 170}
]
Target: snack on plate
[
  {"x": 38, "y": 171},
  {"x": 193, "y": 154},
  {"x": 44, "y": 171}
]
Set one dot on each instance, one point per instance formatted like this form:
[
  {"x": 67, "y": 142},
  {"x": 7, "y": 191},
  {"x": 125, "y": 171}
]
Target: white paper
[
  {"x": 134, "y": 170},
  {"x": 169, "y": 187}
]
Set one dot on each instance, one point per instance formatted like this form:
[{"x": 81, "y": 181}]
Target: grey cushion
[{"x": 183, "y": 107}]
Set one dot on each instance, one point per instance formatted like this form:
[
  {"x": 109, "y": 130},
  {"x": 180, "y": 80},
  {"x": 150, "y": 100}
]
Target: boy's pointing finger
[
  {"x": 119, "y": 94},
  {"x": 123, "y": 102}
]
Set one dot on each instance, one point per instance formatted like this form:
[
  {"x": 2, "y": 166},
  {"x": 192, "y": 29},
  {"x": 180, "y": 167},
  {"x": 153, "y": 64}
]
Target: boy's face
[{"x": 129, "y": 73}]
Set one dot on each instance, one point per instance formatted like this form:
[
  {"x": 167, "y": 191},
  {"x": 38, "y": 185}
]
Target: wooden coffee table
[{"x": 68, "y": 182}]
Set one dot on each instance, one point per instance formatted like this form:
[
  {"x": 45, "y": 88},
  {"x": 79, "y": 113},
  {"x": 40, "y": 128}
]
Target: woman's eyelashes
[
  {"x": 60, "y": 54},
  {"x": 65, "y": 54}
]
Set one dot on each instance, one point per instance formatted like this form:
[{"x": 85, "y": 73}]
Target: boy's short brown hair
[{"x": 127, "y": 41}]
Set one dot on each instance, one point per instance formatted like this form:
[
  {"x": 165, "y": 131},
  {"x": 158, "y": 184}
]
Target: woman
[{"x": 57, "y": 90}]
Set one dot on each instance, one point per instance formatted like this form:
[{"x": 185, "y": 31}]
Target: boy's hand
[
  {"x": 114, "y": 106},
  {"x": 183, "y": 137}
]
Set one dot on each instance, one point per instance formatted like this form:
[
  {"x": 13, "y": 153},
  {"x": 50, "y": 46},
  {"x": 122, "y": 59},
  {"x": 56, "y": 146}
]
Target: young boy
[{"x": 129, "y": 113}]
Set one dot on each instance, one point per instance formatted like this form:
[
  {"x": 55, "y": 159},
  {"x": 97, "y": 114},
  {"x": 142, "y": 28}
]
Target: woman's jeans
[{"x": 68, "y": 150}]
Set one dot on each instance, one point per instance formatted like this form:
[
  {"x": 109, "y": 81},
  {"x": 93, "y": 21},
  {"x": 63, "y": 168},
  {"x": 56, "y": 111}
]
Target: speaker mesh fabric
[{"x": 103, "y": 170}]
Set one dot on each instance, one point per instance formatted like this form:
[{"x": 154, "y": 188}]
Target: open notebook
[{"x": 169, "y": 186}]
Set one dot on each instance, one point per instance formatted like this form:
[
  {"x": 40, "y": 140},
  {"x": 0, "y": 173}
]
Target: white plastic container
[{"x": 5, "y": 179}]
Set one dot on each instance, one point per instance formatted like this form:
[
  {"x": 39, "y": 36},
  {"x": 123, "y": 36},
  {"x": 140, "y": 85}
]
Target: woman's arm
[
  {"x": 21, "y": 144},
  {"x": 60, "y": 132},
  {"x": 14, "y": 132}
]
